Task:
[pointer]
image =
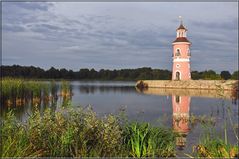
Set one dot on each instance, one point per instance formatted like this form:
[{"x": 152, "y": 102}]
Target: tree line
[{"x": 144, "y": 73}]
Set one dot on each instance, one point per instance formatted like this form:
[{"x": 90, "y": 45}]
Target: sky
[{"x": 118, "y": 35}]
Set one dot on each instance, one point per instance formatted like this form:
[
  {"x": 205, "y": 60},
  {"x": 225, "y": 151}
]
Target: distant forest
[{"x": 144, "y": 73}]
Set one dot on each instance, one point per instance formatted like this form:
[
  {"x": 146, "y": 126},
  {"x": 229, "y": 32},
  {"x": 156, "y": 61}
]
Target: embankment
[{"x": 190, "y": 84}]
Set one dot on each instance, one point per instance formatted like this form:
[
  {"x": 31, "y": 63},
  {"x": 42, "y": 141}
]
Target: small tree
[
  {"x": 235, "y": 75},
  {"x": 210, "y": 75},
  {"x": 225, "y": 75}
]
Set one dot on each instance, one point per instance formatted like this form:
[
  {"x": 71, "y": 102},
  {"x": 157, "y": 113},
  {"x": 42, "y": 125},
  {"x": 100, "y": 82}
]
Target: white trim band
[
  {"x": 181, "y": 43},
  {"x": 181, "y": 60}
]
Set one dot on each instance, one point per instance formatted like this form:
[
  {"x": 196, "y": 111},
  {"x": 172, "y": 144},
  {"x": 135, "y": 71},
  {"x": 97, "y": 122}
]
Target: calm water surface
[{"x": 111, "y": 97}]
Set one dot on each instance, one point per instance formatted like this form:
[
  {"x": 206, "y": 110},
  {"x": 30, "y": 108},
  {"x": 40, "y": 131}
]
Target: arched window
[
  {"x": 189, "y": 53},
  {"x": 178, "y": 52}
]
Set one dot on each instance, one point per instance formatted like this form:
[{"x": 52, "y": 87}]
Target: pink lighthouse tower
[{"x": 181, "y": 55}]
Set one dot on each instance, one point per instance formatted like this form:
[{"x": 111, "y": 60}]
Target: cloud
[
  {"x": 12, "y": 28},
  {"x": 28, "y": 5},
  {"x": 122, "y": 35},
  {"x": 226, "y": 25}
]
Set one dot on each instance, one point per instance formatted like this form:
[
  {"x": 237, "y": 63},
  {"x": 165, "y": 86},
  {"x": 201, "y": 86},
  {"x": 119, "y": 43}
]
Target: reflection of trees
[{"x": 90, "y": 89}]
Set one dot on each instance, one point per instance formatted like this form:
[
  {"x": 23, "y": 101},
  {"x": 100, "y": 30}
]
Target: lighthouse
[{"x": 181, "y": 54}]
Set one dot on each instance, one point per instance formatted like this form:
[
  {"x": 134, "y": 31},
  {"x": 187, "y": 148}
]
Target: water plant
[
  {"x": 212, "y": 145},
  {"x": 16, "y": 92},
  {"x": 65, "y": 89},
  {"x": 144, "y": 140},
  {"x": 202, "y": 119}
]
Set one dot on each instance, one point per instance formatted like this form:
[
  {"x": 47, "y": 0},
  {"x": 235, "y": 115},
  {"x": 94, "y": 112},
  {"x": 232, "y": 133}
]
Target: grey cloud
[
  {"x": 107, "y": 39},
  {"x": 33, "y": 6},
  {"x": 13, "y": 28},
  {"x": 226, "y": 25},
  {"x": 45, "y": 28}
]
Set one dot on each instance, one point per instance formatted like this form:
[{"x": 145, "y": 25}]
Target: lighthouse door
[{"x": 177, "y": 75}]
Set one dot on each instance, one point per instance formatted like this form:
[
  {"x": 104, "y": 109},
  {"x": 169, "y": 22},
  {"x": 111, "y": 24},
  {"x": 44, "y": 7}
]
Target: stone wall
[{"x": 190, "y": 84}]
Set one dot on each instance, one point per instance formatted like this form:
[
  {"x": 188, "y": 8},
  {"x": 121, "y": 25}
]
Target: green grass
[
  {"x": 143, "y": 140},
  {"x": 212, "y": 145},
  {"x": 65, "y": 88},
  {"x": 78, "y": 132},
  {"x": 81, "y": 133},
  {"x": 17, "y": 92}
]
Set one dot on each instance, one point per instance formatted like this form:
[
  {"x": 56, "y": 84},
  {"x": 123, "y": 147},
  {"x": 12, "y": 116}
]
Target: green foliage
[
  {"x": 144, "y": 140},
  {"x": 18, "y": 88},
  {"x": 235, "y": 75},
  {"x": 144, "y": 73},
  {"x": 202, "y": 119},
  {"x": 213, "y": 146},
  {"x": 80, "y": 133},
  {"x": 225, "y": 75},
  {"x": 14, "y": 139},
  {"x": 85, "y": 73},
  {"x": 196, "y": 75},
  {"x": 17, "y": 92},
  {"x": 210, "y": 75},
  {"x": 206, "y": 75},
  {"x": 53, "y": 88},
  {"x": 65, "y": 86}
]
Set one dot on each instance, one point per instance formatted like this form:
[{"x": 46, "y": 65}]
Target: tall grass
[
  {"x": 81, "y": 133},
  {"x": 65, "y": 88},
  {"x": 211, "y": 144},
  {"x": 17, "y": 92},
  {"x": 143, "y": 140}
]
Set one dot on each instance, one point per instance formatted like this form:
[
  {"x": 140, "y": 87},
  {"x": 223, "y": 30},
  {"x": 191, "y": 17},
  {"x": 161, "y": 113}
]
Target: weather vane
[{"x": 181, "y": 19}]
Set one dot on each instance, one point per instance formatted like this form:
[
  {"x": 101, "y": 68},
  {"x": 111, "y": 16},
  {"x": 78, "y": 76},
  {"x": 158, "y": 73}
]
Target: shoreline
[{"x": 231, "y": 85}]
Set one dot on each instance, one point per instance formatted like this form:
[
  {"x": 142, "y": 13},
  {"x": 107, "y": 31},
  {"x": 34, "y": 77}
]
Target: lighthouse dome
[
  {"x": 181, "y": 27},
  {"x": 181, "y": 39}
]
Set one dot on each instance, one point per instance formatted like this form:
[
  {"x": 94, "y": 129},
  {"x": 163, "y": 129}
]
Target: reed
[
  {"x": 211, "y": 144},
  {"x": 144, "y": 140},
  {"x": 65, "y": 89},
  {"x": 201, "y": 119},
  {"x": 81, "y": 133},
  {"x": 17, "y": 92}
]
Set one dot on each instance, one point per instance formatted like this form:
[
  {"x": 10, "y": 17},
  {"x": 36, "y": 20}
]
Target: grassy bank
[{"x": 80, "y": 132}]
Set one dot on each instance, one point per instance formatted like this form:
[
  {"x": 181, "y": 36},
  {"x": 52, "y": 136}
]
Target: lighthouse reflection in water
[{"x": 181, "y": 108}]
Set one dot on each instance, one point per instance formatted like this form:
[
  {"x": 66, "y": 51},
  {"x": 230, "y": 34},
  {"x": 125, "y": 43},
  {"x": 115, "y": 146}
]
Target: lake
[{"x": 157, "y": 106}]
